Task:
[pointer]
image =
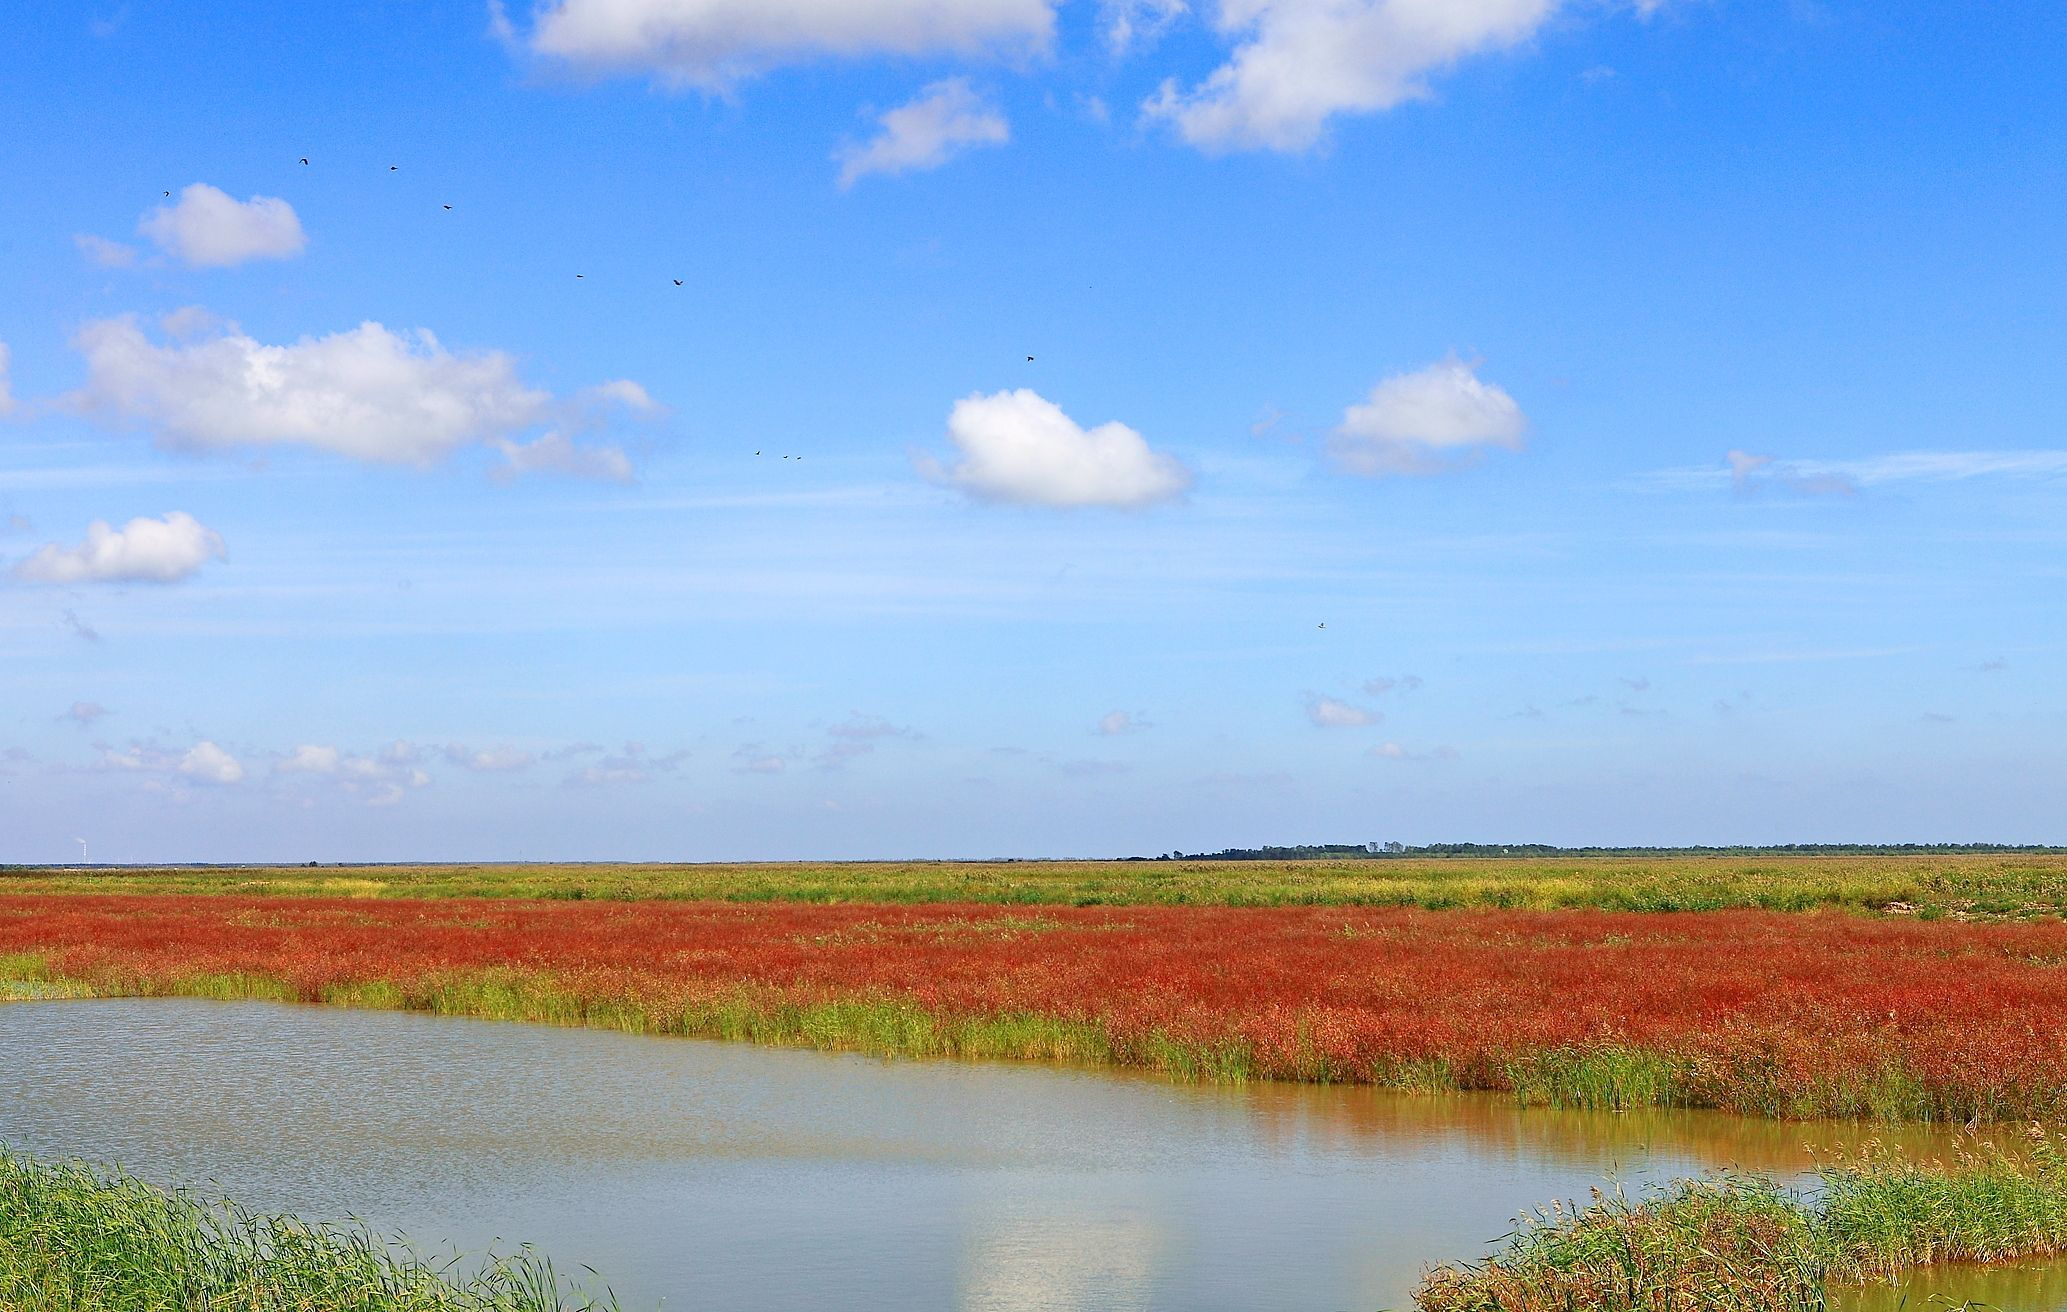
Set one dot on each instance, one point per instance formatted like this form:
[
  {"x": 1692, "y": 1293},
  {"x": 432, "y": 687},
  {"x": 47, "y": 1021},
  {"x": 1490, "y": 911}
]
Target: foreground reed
[
  {"x": 73, "y": 1239},
  {"x": 1749, "y": 1245}
]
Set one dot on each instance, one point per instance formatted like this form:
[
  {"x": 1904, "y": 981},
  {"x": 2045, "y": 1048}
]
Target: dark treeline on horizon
[{"x": 1384, "y": 851}]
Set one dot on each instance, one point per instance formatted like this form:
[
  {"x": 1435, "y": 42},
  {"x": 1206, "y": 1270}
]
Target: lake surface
[{"x": 725, "y": 1177}]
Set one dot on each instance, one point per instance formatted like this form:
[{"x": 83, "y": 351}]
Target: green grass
[
  {"x": 74, "y": 1239},
  {"x": 1746, "y": 1244},
  {"x": 2002, "y": 885}
]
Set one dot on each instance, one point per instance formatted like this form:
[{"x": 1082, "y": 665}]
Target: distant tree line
[{"x": 1386, "y": 851}]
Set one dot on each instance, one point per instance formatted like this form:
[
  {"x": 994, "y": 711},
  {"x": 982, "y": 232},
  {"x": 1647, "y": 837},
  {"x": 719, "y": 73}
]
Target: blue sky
[{"x": 1487, "y": 419}]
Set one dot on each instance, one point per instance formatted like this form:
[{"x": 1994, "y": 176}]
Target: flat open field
[
  {"x": 1993, "y": 886},
  {"x": 1761, "y": 1012}
]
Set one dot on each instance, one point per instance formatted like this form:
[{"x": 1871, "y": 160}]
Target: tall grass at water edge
[
  {"x": 76, "y": 1239},
  {"x": 1747, "y": 1244}
]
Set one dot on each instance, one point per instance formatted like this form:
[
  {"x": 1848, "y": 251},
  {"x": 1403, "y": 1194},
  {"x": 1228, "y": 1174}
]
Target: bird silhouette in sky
[
  {"x": 1324, "y": 626},
  {"x": 678, "y": 282},
  {"x": 448, "y": 207},
  {"x": 305, "y": 159},
  {"x": 392, "y": 168},
  {"x": 1029, "y": 359}
]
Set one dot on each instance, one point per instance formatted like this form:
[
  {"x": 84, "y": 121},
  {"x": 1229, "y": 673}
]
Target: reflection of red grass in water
[{"x": 1754, "y": 1010}]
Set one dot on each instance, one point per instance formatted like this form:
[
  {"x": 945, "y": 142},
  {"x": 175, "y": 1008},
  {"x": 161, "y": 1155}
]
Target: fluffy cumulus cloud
[
  {"x": 208, "y": 228},
  {"x": 376, "y": 778},
  {"x": 1298, "y": 63},
  {"x": 1325, "y": 712},
  {"x": 367, "y": 393},
  {"x": 712, "y": 44},
  {"x": 203, "y": 763},
  {"x": 925, "y": 132},
  {"x": 144, "y": 550},
  {"x": 1018, "y": 447},
  {"x": 1427, "y": 421},
  {"x": 209, "y": 764}
]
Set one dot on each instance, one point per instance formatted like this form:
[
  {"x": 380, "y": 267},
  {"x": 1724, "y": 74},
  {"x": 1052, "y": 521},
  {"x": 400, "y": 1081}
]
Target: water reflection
[
  {"x": 1052, "y": 1255},
  {"x": 721, "y": 1176}
]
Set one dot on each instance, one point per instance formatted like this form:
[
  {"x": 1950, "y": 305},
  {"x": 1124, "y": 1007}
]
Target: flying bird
[
  {"x": 1029, "y": 359},
  {"x": 391, "y": 168},
  {"x": 305, "y": 159},
  {"x": 448, "y": 207},
  {"x": 168, "y": 193},
  {"x": 678, "y": 282}
]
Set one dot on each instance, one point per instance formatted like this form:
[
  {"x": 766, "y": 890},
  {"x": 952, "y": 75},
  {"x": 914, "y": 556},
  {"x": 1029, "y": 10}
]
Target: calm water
[{"x": 721, "y": 1177}]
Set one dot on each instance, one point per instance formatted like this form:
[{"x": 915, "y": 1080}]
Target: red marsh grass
[{"x": 1762, "y": 1013}]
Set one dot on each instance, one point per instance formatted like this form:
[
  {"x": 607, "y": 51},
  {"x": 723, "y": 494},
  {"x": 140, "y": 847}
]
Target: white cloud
[
  {"x": 714, "y": 43},
  {"x": 1114, "y": 723},
  {"x": 107, "y": 254},
  {"x": 1300, "y": 62},
  {"x": 210, "y": 764},
  {"x": 1135, "y": 23},
  {"x": 1020, "y": 448},
  {"x": 556, "y": 453},
  {"x": 376, "y": 780},
  {"x": 207, "y": 228},
  {"x": 1425, "y": 422},
  {"x": 1755, "y": 473},
  {"x": 925, "y": 132},
  {"x": 310, "y": 759},
  {"x": 488, "y": 760},
  {"x": 750, "y": 759},
  {"x": 1749, "y": 472},
  {"x": 634, "y": 765},
  {"x": 1743, "y": 466},
  {"x": 1330, "y": 713},
  {"x": 857, "y": 736},
  {"x": 84, "y": 712},
  {"x": 367, "y": 393},
  {"x": 1395, "y": 752},
  {"x": 144, "y": 550},
  {"x": 624, "y": 392},
  {"x": 1381, "y": 684}
]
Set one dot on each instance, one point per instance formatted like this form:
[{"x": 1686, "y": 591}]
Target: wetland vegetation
[
  {"x": 78, "y": 1239},
  {"x": 1747, "y": 1244},
  {"x": 1992, "y": 885}
]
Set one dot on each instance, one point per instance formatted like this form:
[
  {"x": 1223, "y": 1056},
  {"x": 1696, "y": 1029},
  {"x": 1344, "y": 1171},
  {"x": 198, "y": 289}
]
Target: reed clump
[
  {"x": 77, "y": 1239},
  {"x": 1747, "y": 1244}
]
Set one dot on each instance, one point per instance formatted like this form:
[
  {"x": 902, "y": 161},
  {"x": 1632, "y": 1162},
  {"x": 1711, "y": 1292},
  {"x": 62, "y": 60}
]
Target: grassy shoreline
[
  {"x": 1745, "y": 1243},
  {"x": 1994, "y": 886},
  {"x": 77, "y": 1239},
  {"x": 1603, "y": 1079},
  {"x": 1760, "y": 1013}
]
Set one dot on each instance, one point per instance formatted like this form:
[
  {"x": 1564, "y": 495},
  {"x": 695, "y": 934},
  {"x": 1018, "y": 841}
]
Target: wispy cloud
[{"x": 1745, "y": 471}]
